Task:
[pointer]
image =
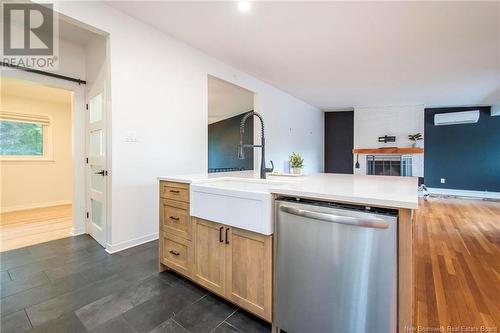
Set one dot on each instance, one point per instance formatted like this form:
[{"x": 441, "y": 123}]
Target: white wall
[
  {"x": 159, "y": 96},
  {"x": 400, "y": 121}
]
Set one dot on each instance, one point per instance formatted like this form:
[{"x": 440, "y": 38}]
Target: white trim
[
  {"x": 77, "y": 232},
  {"x": 110, "y": 248},
  {"x": 33, "y": 206},
  {"x": 464, "y": 193},
  {"x": 22, "y": 117}
]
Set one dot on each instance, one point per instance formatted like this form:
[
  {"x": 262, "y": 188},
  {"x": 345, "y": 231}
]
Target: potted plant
[
  {"x": 415, "y": 138},
  {"x": 296, "y": 163}
]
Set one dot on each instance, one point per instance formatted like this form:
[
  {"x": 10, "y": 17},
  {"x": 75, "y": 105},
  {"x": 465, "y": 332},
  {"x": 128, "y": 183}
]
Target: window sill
[{"x": 26, "y": 160}]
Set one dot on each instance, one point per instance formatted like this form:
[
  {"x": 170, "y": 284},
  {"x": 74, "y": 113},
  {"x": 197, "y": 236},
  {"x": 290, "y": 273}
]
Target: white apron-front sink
[{"x": 237, "y": 202}]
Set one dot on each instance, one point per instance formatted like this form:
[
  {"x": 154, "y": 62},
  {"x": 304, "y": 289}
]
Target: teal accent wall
[
  {"x": 223, "y": 140},
  {"x": 466, "y": 155}
]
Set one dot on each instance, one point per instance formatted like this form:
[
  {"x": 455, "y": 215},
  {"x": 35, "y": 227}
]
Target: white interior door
[{"x": 96, "y": 169}]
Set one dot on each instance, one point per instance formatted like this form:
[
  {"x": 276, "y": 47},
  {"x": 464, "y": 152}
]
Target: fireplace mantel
[{"x": 385, "y": 151}]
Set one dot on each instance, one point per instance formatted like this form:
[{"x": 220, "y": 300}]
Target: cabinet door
[
  {"x": 176, "y": 253},
  {"x": 209, "y": 270},
  {"x": 249, "y": 271}
]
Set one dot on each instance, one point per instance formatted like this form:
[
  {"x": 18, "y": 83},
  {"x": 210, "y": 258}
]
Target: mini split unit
[{"x": 456, "y": 118}]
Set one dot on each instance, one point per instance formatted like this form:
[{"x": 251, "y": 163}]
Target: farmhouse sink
[{"x": 237, "y": 202}]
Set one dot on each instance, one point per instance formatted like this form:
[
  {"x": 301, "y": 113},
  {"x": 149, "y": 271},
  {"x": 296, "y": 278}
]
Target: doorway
[
  {"x": 227, "y": 104},
  {"x": 339, "y": 141},
  {"x": 84, "y": 71},
  {"x": 36, "y": 161}
]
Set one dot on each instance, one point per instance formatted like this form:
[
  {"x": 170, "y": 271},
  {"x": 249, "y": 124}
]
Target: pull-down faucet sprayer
[{"x": 241, "y": 146}]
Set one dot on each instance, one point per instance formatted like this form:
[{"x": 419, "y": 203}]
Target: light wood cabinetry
[
  {"x": 176, "y": 249},
  {"x": 176, "y": 253},
  {"x": 174, "y": 217},
  {"x": 209, "y": 259},
  {"x": 174, "y": 191},
  {"x": 235, "y": 264},
  {"x": 249, "y": 271}
]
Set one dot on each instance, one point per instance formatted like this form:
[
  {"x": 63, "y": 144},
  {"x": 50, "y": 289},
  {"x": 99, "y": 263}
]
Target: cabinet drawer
[
  {"x": 174, "y": 219},
  {"x": 177, "y": 253},
  {"x": 175, "y": 191}
]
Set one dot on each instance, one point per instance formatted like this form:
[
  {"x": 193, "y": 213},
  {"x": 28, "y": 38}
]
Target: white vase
[{"x": 296, "y": 171}]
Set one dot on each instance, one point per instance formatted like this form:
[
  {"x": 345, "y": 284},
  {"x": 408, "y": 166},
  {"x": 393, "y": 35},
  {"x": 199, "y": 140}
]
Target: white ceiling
[
  {"x": 344, "y": 54},
  {"x": 226, "y": 100}
]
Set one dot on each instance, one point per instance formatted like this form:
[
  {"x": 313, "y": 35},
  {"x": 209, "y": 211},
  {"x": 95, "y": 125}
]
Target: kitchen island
[{"x": 217, "y": 229}]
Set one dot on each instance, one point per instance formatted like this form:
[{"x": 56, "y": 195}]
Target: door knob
[{"x": 102, "y": 173}]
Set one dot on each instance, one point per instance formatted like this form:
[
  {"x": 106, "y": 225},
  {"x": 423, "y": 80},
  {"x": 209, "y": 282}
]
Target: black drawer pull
[
  {"x": 220, "y": 234},
  {"x": 175, "y": 218},
  {"x": 175, "y": 191},
  {"x": 227, "y": 238},
  {"x": 174, "y": 252}
]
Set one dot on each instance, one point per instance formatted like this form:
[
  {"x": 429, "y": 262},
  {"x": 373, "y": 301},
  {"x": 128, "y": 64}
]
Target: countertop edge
[
  {"x": 176, "y": 180},
  {"x": 361, "y": 200},
  {"x": 349, "y": 199}
]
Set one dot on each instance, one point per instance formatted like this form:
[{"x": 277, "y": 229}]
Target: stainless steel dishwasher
[{"x": 335, "y": 268}]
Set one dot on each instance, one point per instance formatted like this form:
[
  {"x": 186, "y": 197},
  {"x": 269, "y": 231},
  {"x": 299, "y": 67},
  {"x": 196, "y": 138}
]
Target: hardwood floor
[
  {"x": 34, "y": 226},
  {"x": 457, "y": 246}
]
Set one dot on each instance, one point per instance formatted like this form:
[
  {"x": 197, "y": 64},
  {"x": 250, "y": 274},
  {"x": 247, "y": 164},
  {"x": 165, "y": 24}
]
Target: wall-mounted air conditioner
[{"x": 455, "y": 118}]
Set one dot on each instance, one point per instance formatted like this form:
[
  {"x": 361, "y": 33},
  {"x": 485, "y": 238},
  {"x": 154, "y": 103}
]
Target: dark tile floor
[{"x": 72, "y": 285}]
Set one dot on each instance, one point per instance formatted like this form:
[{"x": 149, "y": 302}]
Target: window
[{"x": 24, "y": 137}]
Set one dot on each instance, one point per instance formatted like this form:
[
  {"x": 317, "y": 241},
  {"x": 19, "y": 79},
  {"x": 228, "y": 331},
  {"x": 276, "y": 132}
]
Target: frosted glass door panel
[
  {"x": 96, "y": 180},
  {"x": 96, "y": 143},
  {"x": 96, "y": 212},
  {"x": 96, "y": 108}
]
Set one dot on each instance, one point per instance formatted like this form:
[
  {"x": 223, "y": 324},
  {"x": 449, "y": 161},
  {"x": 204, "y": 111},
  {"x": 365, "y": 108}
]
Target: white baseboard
[
  {"x": 464, "y": 193},
  {"x": 113, "y": 248},
  {"x": 77, "y": 232},
  {"x": 33, "y": 206}
]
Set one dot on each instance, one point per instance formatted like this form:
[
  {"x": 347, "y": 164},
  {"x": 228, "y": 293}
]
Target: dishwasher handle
[{"x": 366, "y": 222}]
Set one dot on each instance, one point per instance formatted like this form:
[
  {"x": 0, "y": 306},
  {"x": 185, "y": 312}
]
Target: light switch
[
  {"x": 131, "y": 137},
  {"x": 443, "y": 180}
]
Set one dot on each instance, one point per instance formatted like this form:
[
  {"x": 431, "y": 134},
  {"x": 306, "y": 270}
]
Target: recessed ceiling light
[{"x": 244, "y": 6}]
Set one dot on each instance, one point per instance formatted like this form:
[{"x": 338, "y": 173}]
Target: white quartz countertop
[{"x": 386, "y": 191}]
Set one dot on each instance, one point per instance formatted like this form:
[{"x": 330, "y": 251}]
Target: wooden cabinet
[
  {"x": 174, "y": 218},
  {"x": 249, "y": 271},
  {"x": 176, "y": 250},
  {"x": 176, "y": 253},
  {"x": 209, "y": 262},
  {"x": 174, "y": 191},
  {"x": 235, "y": 264}
]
